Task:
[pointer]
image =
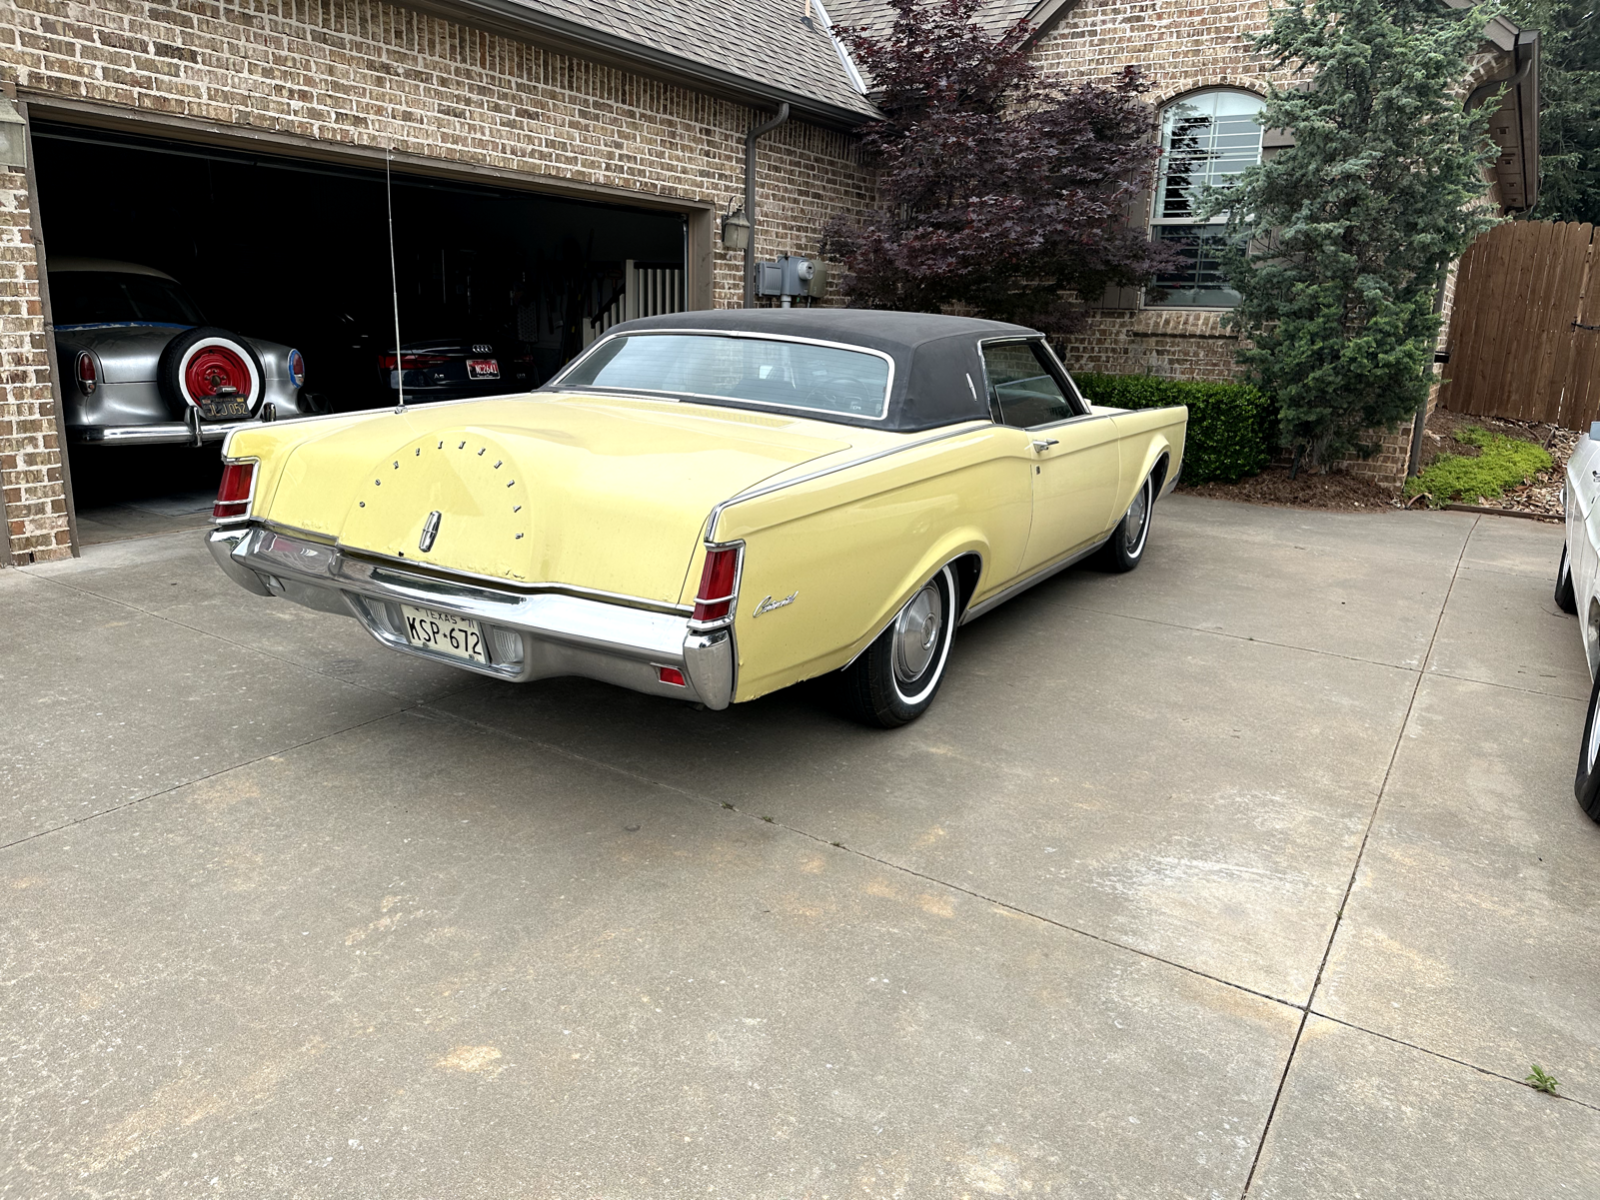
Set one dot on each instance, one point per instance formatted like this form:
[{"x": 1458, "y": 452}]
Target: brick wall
[
  {"x": 361, "y": 73},
  {"x": 1184, "y": 47},
  {"x": 1181, "y": 48},
  {"x": 34, "y": 502}
]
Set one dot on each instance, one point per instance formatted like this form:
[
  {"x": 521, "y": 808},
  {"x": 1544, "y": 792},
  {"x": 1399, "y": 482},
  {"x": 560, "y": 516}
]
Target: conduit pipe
[{"x": 750, "y": 197}]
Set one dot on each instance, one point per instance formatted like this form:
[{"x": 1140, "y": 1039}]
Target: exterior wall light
[
  {"x": 735, "y": 230},
  {"x": 13, "y": 136}
]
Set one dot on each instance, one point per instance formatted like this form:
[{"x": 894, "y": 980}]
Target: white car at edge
[{"x": 1578, "y": 592}]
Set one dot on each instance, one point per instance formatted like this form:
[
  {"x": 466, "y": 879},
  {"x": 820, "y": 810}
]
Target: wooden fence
[{"x": 1525, "y": 327}]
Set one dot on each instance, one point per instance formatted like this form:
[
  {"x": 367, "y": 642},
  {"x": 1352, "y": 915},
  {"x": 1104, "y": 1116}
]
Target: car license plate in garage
[
  {"x": 444, "y": 633},
  {"x": 221, "y": 410}
]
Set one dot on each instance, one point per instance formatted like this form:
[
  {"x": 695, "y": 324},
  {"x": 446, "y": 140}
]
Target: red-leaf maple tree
[{"x": 1000, "y": 195}]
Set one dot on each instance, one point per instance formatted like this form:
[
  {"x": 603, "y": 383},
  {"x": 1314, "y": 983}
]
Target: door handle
[{"x": 1042, "y": 444}]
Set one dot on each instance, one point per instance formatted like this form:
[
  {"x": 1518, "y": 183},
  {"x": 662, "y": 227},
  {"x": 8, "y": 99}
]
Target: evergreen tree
[
  {"x": 1569, "y": 106},
  {"x": 1357, "y": 221},
  {"x": 999, "y": 194}
]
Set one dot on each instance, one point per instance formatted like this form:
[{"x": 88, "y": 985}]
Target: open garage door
[{"x": 149, "y": 237}]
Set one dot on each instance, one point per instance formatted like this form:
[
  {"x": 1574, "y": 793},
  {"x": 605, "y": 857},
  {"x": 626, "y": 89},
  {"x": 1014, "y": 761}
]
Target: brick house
[
  {"x": 1207, "y": 86},
  {"x": 573, "y": 100},
  {"x": 600, "y": 107}
]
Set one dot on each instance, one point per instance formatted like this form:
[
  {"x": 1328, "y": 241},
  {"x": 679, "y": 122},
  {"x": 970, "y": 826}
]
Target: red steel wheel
[{"x": 214, "y": 371}]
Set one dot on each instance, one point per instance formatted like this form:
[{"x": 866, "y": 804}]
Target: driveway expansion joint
[
  {"x": 1355, "y": 869},
  {"x": 184, "y": 783},
  {"x": 227, "y": 641},
  {"x": 1460, "y": 1062},
  {"x": 773, "y": 823}
]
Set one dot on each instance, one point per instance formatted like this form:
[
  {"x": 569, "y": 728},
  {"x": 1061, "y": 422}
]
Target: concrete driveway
[{"x": 1256, "y": 871}]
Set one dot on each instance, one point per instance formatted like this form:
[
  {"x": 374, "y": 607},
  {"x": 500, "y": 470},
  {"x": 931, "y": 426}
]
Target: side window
[
  {"x": 1022, "y": 389},
  {"x": 1206, "y": 139}
]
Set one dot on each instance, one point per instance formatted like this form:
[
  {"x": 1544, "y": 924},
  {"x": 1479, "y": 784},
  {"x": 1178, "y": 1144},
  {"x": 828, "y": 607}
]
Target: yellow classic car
[{"x": 709, "y": 506}]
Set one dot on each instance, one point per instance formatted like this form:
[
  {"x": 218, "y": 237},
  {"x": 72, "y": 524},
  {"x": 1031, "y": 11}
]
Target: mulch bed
[
  {"x": 1542, "y": 497},
  {"x": 1335, "y": 490},
  {"x": 1340, "y": 491}
]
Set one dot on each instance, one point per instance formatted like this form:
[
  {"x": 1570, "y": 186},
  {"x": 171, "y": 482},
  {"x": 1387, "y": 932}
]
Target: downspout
[
  {"x": 1479, "y": 94},
  {"x": 750, "y": 197}
]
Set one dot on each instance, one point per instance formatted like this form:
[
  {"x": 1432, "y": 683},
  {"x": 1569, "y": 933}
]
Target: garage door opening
[{"x": 498, "y": 288}]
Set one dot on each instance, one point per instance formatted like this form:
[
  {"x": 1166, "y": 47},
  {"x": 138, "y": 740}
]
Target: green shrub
[
  {"x": 1229, "y": 423},
  {"x": 1501, "y": 463}
]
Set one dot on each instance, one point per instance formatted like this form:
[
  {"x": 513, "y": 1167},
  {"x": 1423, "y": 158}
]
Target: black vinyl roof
[{"x": 938, "y": 372}]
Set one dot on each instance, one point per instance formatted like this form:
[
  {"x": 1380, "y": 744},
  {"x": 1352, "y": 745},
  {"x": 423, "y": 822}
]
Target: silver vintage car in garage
[{"x": 140, "y": 364}]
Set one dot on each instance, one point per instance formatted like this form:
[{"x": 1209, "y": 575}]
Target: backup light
[
  {"x": 719, "y": 584},
  {"x": 235, "y": 491}
]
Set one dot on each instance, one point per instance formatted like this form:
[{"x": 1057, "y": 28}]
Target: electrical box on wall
[{"x": 791, "y": 276}]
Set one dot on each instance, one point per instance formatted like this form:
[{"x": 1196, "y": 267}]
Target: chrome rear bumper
[
  {"x": 156, "y": 433},
  {"x": 528, "y": 635}
]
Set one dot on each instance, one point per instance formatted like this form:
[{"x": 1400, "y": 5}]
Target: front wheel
[
  {"x": 1586, "y": 784},
  {"x": 1126, "y": 547},
  {"x": 1566, "y": 599},
  {"x": 894, "y": 680}
]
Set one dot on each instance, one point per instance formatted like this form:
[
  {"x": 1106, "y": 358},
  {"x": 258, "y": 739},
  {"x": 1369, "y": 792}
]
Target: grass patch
[{"x": 1501, "y": 462}]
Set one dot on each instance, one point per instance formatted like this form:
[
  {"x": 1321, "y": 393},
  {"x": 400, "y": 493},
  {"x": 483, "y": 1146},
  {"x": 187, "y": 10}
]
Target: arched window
[{"x": 1206, "y": 138}]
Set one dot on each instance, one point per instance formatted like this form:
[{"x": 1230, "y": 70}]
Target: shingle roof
[
  {"x": 878, "y": 16},
  {"x": 767, "y": 43}
]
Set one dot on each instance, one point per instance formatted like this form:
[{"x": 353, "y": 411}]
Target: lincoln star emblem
[
  {"x": 769, "y": 604},
  {"x": 430, "y": 530}
]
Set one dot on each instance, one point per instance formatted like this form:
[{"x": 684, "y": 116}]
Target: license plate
[
  {"x": 483, "y": 368},
  {"x": 444, "y": 633},
  {"x": 217, "y": 410}
]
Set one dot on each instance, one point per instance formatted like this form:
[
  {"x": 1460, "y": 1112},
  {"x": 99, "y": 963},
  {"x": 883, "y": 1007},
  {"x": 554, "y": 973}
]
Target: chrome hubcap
[
  {"x": 1138, "y": 512},
  {"x": 916, "y": 634}
]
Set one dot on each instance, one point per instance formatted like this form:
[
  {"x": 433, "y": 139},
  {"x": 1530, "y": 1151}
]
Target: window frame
[
  {"x": 1053, "y": 367},
  {"x": 1155, "y": 221}
]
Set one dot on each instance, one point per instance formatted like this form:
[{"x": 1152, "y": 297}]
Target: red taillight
[
  {"x": 413, "y": 362},
  {"x": 233, "y": 495},
  {"x": 671, "y": 675},
  {"x": 88, "y": 377},
  {"x": 719, "y": 580}
]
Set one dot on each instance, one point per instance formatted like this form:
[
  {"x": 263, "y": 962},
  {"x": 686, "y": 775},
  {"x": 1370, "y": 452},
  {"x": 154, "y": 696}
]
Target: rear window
[
  {"x": 111, "y": 297},
  {"x": 768, "y": 371}
]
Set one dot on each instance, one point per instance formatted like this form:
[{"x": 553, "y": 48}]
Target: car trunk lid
[{"x": 604, "y": 494}]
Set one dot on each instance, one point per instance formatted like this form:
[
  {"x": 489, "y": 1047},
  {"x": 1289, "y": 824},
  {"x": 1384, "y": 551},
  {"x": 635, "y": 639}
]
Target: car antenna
[{"x": 394, "y": 284}]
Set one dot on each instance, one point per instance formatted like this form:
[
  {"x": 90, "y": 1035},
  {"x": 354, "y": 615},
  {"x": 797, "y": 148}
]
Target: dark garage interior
[{"x": 297, "y": 252}]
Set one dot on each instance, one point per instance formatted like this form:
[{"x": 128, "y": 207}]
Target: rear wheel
[
  {"x": 894, "y": 680},
  {"x": 1586, "y": 784},
  {"x": 1566, "y": 599},
  {"x": 1126, "y": 547}
]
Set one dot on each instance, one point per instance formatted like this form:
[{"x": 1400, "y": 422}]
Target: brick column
[{"x": 32, "y": 473}]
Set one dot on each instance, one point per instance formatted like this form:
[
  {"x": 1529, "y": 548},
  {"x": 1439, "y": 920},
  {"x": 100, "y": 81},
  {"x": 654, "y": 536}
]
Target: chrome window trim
[
  {"x": 975, "y": 425},
  {"x": 557, "y": 383},
  {"x": 1063, "y": 380}
]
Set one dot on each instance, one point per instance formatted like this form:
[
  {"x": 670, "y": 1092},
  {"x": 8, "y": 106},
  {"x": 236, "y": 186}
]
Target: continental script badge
[{"x": 769, "y": 604}]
